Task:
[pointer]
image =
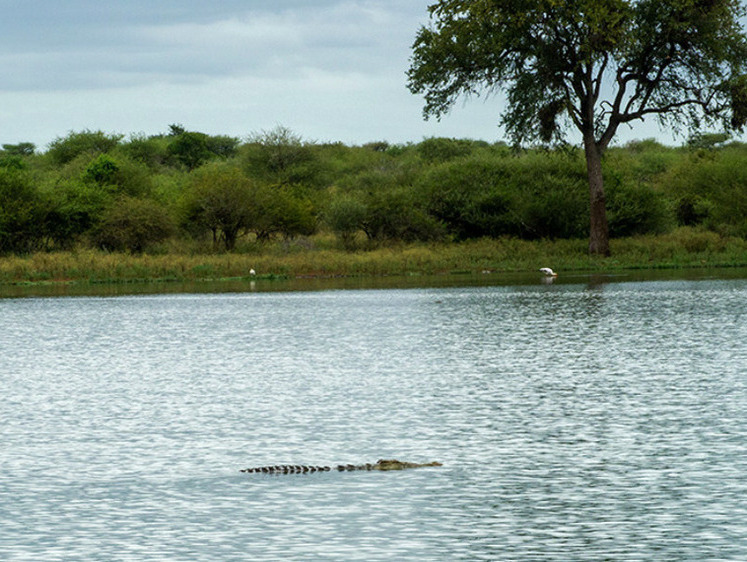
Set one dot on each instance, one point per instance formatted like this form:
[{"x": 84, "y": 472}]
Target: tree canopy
[
  {"x": 137, "y": 196},
  {"x": 592, "y": 65}
]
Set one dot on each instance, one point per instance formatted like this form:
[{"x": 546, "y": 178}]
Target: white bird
[
  {"x": 549, "y": 272},
  {"x": 252, "y": 272}
]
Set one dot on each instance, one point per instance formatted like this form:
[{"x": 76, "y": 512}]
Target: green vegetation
[
  {"x": 99, "y": 207},
  {"x": 682, "y": 248},
  {"x": 590, "y": 66}
]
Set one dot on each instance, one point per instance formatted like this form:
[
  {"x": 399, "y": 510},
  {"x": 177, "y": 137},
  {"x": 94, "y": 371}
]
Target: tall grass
[{"x": 683, "y": 247}]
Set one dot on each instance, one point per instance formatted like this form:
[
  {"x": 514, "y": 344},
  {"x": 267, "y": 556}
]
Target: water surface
[{"x": 576, "y": 421}]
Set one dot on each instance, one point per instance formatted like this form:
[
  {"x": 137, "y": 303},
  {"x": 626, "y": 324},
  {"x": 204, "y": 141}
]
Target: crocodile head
[{"x": 394, "y": 464}]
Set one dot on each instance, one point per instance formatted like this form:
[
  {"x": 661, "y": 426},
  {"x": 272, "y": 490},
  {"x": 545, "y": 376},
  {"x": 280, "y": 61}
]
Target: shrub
[
  {"x": 73, "y": 209},
  {"x": 439, "y": 149},
  {"x": 102, "y": 170},
  {"x": 190, "y": 149},
  {"x": 691, "y": 210},
  {"x": 467, "y": 196},
  {"x": 557, "y": 207},
  {"x": 280, "y": 156},
  {"x": 345, "y": 215},
  {"x": 22, "y": 213},
  {"x": 633, "y": 210},
  {"x": 222, "y": 145},
  {"x": 132, "y": 224},
  {"x": 12, "y": 162},
  {"x": 64, "y": 149},
  {"x": 377, "y": 146},
  {"x": 292, "y": 215},
  {"x": 709, "y": 188},
  {"x": 120, "y": 176},
  {"x": 151, "y": 151},
  {"x": 394, "y": 214},
  {"x": 641, "y": 161},
  {"x": 279, "y": 149},
  {"x": 536, "y": 195}
]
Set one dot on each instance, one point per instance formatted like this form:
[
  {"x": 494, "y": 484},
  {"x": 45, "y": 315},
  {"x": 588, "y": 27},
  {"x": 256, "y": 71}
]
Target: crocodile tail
[{"x": 286, "y": 469}]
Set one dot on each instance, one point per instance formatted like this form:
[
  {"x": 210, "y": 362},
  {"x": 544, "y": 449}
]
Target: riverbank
[{"x": 683, "y": 248}]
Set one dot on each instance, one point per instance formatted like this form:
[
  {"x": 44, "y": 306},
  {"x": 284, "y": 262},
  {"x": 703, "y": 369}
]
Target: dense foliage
[
  {"x": 191, "y": 192},
  {"x": 587, "y": 65}
]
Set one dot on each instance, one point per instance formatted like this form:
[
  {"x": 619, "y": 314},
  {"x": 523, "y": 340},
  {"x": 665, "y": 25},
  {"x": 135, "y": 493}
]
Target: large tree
[{"x": 590, "y": 64}]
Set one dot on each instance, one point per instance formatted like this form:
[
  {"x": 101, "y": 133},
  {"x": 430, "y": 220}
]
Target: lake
[{"x": 579, "y": 420}]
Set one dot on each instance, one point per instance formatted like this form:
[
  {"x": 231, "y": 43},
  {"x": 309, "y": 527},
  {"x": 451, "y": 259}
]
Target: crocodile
[{"x": 381, "y": 464}]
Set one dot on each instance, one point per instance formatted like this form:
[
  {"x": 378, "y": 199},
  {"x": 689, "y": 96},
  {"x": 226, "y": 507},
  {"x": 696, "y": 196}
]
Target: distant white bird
[
  {"x": 549, "y": 272},
  {"x": 252, "y": 272}
]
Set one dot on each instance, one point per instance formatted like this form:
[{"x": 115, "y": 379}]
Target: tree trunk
[
  {"x": 599, "y": 242},
  {"x": 229, "y": 237}
]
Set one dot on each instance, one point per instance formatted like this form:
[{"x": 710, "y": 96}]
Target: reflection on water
[
  {"x": 485, "y": 279},
  {"x": 574, "y": 421}
]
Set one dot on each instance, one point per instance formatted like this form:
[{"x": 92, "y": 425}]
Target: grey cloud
[
  {"x": 190, "y": 41},
  {"x": 330, "y": 69}
]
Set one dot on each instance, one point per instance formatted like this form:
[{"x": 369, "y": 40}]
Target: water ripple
[{"x": 574, "y": 423}]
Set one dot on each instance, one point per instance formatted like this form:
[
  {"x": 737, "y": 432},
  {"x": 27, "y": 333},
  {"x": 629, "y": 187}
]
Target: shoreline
[{"x": 681, "y": 249}]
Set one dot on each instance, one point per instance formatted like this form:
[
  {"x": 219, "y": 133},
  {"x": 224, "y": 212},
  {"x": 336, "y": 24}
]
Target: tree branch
[
  {"x": 600, "y": 75},
  {"x": 626, "y": 117}
]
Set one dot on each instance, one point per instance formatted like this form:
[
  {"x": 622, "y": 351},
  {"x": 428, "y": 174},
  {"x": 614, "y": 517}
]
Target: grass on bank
[{"x": 682, "y": 248}]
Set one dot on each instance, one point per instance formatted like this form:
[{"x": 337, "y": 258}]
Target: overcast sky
[{"x": 330, "y": 70}]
